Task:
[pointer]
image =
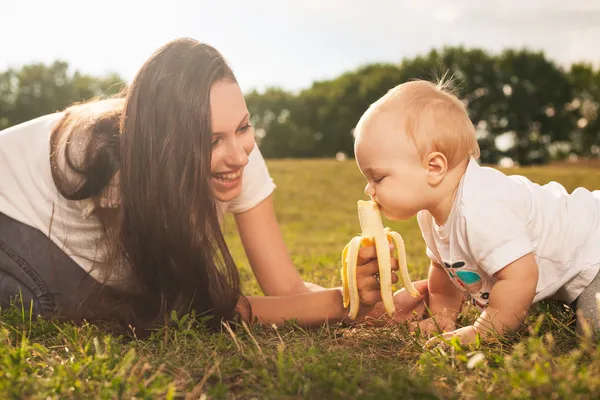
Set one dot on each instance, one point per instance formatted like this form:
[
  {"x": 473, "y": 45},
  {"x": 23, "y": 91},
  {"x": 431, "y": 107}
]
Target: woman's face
[{"x": 232, "y": 139}]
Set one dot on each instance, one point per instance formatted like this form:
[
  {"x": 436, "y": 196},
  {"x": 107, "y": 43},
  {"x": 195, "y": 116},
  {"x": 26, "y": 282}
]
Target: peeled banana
[{"x": 373, "y": 231}]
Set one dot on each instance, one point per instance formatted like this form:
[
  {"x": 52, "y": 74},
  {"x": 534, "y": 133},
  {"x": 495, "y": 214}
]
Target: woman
[{"x": 130, "y": 193}]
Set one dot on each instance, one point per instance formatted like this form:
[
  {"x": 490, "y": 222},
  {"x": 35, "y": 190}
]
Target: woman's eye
[
  {"x": 215, "y": 142},
  {"x": 244, "y": 128}
]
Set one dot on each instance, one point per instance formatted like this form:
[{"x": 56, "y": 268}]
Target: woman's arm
[
  {"x": 267, "y": 253},
  {"x": 309, "y": 309},
  {"x": 316, "y": 308}
]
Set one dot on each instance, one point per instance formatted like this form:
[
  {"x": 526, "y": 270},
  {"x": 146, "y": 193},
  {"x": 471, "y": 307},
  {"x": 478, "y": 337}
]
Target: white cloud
[{"x": 446, "y": 13}]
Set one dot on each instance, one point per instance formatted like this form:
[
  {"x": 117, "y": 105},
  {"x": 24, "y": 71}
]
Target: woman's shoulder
[{"x": 25, "y": 131}]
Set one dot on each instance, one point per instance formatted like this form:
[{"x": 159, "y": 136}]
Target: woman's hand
[
  {"x": 370, "y": 289},
  {"x": 367, "y": 276}
]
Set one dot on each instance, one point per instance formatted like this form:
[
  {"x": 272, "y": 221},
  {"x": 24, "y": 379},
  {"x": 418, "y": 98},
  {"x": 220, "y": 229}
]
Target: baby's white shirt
[{"x": 497, "y": 219}]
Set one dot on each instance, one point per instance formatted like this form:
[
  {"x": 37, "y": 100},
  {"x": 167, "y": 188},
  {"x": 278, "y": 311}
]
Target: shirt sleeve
[
  {"x": 257, "y": 184},
  {"x": 496, "y": 234}
]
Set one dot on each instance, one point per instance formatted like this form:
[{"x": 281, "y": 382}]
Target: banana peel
[{"x": 373, "y": 232}]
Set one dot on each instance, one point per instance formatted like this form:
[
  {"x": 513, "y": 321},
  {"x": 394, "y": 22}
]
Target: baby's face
[{"x": 396, "y": 176}]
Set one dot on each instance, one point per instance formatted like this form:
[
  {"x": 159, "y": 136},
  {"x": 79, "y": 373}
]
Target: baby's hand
[
  {"x": 437, "y": 324},
  {"x": 407, "y": 307},
  {"x": 466, "y": 335}
]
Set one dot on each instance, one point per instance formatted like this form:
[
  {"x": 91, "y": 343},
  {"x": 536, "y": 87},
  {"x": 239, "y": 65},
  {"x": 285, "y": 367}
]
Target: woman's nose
[{"x": 237, "y": 157}]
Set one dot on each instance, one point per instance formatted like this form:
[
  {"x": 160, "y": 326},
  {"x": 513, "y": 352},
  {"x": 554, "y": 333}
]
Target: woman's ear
[{"x": 437, "y": 168}]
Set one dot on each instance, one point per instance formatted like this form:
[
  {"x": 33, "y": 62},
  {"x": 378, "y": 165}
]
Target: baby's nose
[{"x": 369, "y": 191}]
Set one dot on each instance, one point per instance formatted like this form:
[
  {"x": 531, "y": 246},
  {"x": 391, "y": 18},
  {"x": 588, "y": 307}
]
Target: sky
[{"x": 290, "y": 43}]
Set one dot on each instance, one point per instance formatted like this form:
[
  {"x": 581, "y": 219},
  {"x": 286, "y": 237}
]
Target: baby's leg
[{"x": 588, "y": 307}]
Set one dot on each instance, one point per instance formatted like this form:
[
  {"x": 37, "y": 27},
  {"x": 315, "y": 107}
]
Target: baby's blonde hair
[{"x": 432, "y": 117}]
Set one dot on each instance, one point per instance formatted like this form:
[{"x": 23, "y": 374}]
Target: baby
[{"x": 502, "y": 240}]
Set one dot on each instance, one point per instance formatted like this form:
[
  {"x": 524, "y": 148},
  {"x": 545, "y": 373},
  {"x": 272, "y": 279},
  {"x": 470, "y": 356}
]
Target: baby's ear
[{"x": 437, "y": 167}]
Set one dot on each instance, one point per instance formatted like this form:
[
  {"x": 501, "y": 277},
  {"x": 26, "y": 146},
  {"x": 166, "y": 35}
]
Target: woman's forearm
[
  {"x": 308, "y": 309},
  {"x": 313, "y": 287},
  {"x": 267, "y": 253}
]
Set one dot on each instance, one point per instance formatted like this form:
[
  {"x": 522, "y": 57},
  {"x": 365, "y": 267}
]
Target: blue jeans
[{"x": 34, "y": 267}]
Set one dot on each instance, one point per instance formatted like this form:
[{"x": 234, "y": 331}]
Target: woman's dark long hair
[{"x": 165, "y": 236}]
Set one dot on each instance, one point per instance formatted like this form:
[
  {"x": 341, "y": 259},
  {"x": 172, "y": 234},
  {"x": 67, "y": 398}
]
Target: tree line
[{"x": 524, "y": 106}]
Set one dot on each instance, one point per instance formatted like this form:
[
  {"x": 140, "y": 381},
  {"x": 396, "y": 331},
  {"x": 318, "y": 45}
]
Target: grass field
[{"x": 316, "y": 207}]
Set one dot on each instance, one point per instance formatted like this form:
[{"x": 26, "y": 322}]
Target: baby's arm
[
  {"x": 494, "y": 230},
  {"x": 445, "y": 301},
  {"x": 510, "y": 300}
]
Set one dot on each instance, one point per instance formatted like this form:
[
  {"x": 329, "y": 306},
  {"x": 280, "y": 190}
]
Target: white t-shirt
[
  {"x": 497, "y": 219},
  {"x": 28, "y": 193}
]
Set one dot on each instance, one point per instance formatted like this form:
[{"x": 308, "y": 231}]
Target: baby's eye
[{"x": 378, "y": 179}]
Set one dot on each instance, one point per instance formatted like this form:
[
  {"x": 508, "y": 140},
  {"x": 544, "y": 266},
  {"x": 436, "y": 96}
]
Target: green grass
[{"x": 316, "y": 206}]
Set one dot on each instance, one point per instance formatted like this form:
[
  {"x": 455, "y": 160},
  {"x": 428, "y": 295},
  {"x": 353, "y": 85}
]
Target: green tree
[
  {"x": 274, "y": 115},
  {"x": 8, "y": 83},
  {"x": 518, "y": 93},
  {"x": 473, "y": 78},
  {"x": 332, "y": 108},
  {"x": 585, "y": 107},
  {"x": 39, "y": 89},
  {"x": 534, "y": 108}
]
